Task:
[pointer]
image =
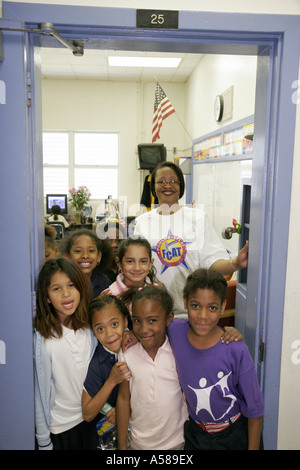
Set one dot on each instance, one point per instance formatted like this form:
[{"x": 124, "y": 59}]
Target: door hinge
[
  {"x": 261, "y": 350},
  {"x": 29, "y": 89},
  {"x": 29, "y": 96}
]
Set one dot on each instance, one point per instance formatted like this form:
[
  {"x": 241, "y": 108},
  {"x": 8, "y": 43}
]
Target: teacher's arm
[{"x": 229, "y": 266}]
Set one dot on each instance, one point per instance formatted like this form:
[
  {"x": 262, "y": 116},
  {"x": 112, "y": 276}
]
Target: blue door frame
[
  {"x": 276, "y": 41},
  {"x": 16, "y": 371}
]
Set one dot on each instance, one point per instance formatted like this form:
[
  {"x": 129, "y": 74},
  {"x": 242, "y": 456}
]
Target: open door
[
  {"x": 16, "y": 339},
  {"x": 270, "y": 193}
]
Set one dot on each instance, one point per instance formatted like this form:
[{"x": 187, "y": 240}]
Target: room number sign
[{"x": 155, "y": 19}]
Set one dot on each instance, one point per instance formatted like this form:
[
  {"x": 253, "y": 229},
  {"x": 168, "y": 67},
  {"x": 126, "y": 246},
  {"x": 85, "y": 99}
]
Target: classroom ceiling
[{"x": 60, "y": 63}]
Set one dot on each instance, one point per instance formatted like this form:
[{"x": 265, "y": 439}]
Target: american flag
[{"x": 162, "y": 109}]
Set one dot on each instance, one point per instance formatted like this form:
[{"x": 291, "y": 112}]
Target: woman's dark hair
[
  {"x": 98, "y": 304},
  {"x": 46, "y": 320},
  {"x": 157, "y": 293},
  {"x": 178, "y": 172},
  {"x": 206, "y": 279},
  {"x": 102, "y": 245}
]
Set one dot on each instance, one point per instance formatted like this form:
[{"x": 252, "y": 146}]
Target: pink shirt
[
  {"x": 158, "y": 412},
  {"x": 118, "y": 287}
]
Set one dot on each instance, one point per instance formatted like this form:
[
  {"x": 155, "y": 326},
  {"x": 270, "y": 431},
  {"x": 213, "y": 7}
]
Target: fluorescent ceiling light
[{"x": 154, "y": 62}]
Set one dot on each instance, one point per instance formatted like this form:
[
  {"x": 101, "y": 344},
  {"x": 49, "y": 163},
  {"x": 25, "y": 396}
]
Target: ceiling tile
[{"x": 61, "y": 63}]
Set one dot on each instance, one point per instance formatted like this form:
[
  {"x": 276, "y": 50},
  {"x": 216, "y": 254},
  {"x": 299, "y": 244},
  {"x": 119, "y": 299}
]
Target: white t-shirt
[
  {"x": 60, "y": 218},
  {"x": 70, "y": 357},
  {"x": 181, "y": 242}
]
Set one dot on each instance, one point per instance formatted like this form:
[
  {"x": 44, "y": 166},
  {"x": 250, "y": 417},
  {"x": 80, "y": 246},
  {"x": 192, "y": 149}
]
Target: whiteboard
[{"x": 218, "y": 186}]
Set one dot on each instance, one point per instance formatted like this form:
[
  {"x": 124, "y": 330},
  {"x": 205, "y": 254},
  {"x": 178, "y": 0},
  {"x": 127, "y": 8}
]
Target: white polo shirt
[
  {"x": 158, "y": 412},
  {"x": 70, "y": 357}
]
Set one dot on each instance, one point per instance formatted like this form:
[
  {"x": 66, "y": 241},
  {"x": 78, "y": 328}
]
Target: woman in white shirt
[
  {"x": 181, "y": 237},
  {"x": 57, "y": 217}
]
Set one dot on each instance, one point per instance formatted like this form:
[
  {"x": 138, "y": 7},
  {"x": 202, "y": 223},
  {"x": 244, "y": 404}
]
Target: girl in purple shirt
[{"x": 219, "y": 381}]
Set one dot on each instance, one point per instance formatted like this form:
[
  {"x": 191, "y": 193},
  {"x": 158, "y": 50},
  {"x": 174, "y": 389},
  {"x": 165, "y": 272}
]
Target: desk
[{"x": 227, "y": 319}]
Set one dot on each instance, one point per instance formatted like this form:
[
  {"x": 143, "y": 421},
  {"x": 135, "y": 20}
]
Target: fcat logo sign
[{"x": 171, "y": 251}]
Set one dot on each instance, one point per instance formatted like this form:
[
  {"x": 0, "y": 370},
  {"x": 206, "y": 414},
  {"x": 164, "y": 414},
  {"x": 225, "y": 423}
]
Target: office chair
[{"x": 60, "y": 229}]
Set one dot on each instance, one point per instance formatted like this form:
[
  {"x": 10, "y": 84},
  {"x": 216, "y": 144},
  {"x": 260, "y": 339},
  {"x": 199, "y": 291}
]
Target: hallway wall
[{"x": 125, "y": 107}]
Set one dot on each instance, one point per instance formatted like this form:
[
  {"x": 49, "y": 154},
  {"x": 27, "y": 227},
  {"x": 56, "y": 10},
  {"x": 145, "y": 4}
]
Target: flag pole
[{"x": 178, "y": 117}]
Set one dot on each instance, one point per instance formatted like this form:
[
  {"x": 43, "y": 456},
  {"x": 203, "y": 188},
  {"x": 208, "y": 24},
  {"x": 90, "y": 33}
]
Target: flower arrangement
[{"x": 79, "y": 197}]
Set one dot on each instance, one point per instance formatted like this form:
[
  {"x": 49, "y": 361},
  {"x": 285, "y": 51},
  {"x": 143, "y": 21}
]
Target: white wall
[
  {"x": 126, "y": 107},
  {"x": 214, "y": 74},
  {"x": 274, "y": 7},
  {"x": 218, "y": 185}
]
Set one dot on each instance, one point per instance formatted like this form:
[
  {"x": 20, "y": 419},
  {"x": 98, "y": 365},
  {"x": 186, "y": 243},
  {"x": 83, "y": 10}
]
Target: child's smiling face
[
  {"x": 108, "y": 325},
  {"x": 150, "y": 322},
  {"x": 204, "y": 310},
  {"x": 84, "y": 252},
  {"x": 135, "y": 265}
]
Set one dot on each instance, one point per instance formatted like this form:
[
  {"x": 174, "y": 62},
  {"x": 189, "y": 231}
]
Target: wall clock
[{"x": 219, "y": 108}]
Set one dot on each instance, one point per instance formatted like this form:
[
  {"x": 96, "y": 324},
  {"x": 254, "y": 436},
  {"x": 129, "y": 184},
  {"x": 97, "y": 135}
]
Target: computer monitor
[
  {"x": 60, "y": 200},
  {"x": 150, "y": 155}
]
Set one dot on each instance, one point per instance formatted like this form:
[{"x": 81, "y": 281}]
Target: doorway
[{"x": 265, "y": 289}]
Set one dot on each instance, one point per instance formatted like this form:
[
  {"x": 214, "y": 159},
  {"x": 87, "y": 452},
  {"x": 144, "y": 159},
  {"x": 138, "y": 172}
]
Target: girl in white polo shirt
[{"x": 151, "y": 401}]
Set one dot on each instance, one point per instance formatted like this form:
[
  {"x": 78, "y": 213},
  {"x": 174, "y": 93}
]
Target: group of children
[{"x": 176, "y": 383}]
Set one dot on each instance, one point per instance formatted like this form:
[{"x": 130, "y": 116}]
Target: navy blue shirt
[
  {"x": 100, "y": 282},
  {"x": 98, "y": 372}
]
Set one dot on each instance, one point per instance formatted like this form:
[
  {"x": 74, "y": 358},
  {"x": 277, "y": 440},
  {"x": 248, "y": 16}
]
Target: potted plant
[{"x": 78, "y": 198}]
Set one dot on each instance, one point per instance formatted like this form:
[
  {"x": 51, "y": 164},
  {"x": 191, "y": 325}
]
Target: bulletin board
[
  {"x": 229, "y": 143},
  {"x": 220, "y": 162}
]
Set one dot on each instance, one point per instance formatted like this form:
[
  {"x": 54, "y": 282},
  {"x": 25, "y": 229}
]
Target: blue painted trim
[
  {"x": 16, "y": 375},
  {"x": 234, "y": 25},
  {"x": 275, "y": 220}
]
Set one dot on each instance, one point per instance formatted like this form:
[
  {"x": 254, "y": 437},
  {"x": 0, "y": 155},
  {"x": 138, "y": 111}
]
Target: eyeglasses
[{"x": 164, "y": 182}]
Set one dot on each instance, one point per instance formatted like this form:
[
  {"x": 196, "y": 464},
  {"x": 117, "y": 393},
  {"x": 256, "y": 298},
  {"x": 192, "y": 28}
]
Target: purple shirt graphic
[{"x": 218, "y": 382}]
